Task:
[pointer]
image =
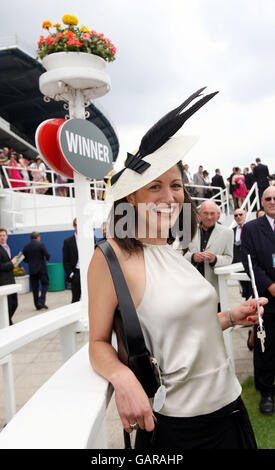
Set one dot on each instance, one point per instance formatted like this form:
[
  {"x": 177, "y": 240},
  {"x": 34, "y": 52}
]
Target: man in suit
[
  {"x": 218, "y": 181},
  {"x": 248, "y": 178},
  {"x": 260, "y": 174},
  {"x": 7, "y": 264},
  {"x": 212, "y": 245},
  {"x": 71, "y": 263},
  {"x": 199, "y": 180},
  {"x": 258, "y": 240},
  {"x": 240, "y": 217},
  {"x": 36, "y": 256}
]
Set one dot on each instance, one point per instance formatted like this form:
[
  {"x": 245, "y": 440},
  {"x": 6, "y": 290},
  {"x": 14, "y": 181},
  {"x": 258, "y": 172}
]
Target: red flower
[
  {"x": 71, "y": 41},
  {"x": 113, "y": 50},
  {"x": 41, "y": 39},
  {"x": 49, "y": 39},
  {"x": 59, "y": 35},
  {"x": 78, "y": 43}
]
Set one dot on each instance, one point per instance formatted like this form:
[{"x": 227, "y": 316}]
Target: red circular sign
[{"x": 47, "y": 145}]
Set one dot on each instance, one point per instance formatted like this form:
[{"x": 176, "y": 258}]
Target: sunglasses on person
[
  {"x": 268, "y": 198},
  {"x": 238, "y": 215}
]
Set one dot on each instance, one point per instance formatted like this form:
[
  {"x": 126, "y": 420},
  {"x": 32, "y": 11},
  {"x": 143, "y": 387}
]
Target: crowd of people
[
  {"x": 240, "y": 182},
  {"x": 29, "y": 175},
  {"x": 25, "y": 174}
]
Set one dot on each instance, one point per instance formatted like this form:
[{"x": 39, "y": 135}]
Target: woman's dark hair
[{"x": 130, "y": 243}]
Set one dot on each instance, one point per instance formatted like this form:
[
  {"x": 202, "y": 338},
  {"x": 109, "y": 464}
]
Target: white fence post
[
  {"x": 6, "y": 362},
  {"x": 68, "y": 342},
  {"x": 225, "y": 304}
]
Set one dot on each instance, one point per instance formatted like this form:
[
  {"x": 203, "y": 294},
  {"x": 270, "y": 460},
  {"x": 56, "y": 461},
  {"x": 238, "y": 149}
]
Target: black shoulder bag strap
[{"x": 132, "y": 328}]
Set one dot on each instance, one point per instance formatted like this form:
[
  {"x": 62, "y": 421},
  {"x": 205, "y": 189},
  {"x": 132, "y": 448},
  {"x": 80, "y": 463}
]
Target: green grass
[{"x": 263, "y": 426}]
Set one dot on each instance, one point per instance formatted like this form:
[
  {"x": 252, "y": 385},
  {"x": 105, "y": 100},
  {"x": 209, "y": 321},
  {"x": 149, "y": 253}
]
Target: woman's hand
[
  {"x": 132, "y": 402},
  {"x": 246, "y": 313}
]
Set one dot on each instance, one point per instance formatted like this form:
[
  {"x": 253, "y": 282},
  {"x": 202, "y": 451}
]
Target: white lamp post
[{"x": 76, "y": 78}]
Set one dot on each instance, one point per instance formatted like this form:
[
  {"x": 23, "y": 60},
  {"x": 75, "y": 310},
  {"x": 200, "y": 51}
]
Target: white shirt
[
  {"x": 7, "y": 248},
  {"x": 271, "y": 221},
  {"x": 238, "y": 234}
]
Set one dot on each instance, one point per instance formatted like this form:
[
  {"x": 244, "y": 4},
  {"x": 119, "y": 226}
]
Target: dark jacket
[
  {"x": 249, "y": 180},
  {"x": 70, "y": 255},
  {"x": 6, "y": 268},
  {"x": 217, "y": 180},
  {"x": 36, "y": 255},
  {"x": 237, "y": 249},
  {"x": 258, "y": 240},
  {"x": 231, "y": 187},
  {"x": 260, "y": 174}
]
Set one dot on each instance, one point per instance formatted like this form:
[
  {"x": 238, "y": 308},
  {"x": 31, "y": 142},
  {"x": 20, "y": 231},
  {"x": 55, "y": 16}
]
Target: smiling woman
[{"x": 198, "y": 404}]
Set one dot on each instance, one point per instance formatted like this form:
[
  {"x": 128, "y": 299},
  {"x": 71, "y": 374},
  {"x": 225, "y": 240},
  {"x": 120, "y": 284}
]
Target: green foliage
[{"x": 263, "y": 426}]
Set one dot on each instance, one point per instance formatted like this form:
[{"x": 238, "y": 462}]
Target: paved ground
[{"x": 36, "y": 362}]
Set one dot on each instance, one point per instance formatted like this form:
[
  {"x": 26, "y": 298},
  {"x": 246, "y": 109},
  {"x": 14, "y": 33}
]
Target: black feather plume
[{"x": 169, "y": 124}]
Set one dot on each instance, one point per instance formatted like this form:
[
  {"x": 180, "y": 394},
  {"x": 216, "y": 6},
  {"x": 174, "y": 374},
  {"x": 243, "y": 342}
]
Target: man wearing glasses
[
  {"x": 239, "y": 216},
  {"x": 258, "y": 240}
]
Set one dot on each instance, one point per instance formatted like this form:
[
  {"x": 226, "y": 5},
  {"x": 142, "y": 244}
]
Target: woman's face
[{"x": 159, "y": 203}]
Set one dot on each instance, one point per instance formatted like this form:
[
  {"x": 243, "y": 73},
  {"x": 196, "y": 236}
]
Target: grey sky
[{"x": 167, "y": 50}]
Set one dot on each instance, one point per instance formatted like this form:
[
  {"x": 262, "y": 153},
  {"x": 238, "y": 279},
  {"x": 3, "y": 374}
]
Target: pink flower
[
  {"x": 41, "y": 39},
  {"x": 59, "y": 35},
  {"x": 94, "y": 32},
  {"x": 101, "y": 35},
  {"x": 78, "y": 43},
  {"x": 86, "y": 36},
  {"x": 113, "y": 50}
]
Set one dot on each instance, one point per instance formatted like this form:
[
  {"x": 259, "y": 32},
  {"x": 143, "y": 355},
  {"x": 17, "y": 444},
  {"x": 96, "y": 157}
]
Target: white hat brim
[{"x": 161, "y": 161}]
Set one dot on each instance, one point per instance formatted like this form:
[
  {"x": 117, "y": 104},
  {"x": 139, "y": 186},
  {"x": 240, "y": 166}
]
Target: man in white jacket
[{"x": 212, "y": 245}]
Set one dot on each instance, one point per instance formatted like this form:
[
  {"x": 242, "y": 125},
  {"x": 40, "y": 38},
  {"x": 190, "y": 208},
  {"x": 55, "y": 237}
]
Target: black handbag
[{"x": 132, "y": 350}]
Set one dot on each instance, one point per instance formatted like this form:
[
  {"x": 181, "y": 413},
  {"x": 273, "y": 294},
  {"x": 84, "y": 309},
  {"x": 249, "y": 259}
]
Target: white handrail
[
  {"x": 6, "y": 360},
  {"x": 222, "y": 197},
  {"x": 96, "y": 185},
  {"x": 225, "y": 274},
  {"x": 248, "y": 203},
  {"x": 67, "y": 412},
  {"x": 66, "y": 319}
]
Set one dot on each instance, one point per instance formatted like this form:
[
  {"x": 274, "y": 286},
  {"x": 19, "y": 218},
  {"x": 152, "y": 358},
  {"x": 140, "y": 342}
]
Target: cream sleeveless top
[{"x": 178, "y": 316}]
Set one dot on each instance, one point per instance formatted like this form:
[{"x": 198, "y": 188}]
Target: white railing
[
  {"x": 248, "y": 205},
  {"x": 6, "y": 360},
  {"x": 25, "y": 206},
  {"x": 98, "y": 187},
  {"x": 67, "y": 412},
  {"x": 221, "y": 197},
  {"x": 66, "y": 319},
  {"x": 225, "y": 274}
]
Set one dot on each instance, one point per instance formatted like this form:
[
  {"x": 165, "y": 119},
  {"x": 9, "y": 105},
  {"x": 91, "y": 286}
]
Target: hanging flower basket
[
  {"x": 71, "y": 38},
  {"x": 74, "y": 57}
]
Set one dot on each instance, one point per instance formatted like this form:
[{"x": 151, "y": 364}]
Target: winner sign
[
  {"x": 85, "y": 148},
  {"x": 74, "y": 145}
]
